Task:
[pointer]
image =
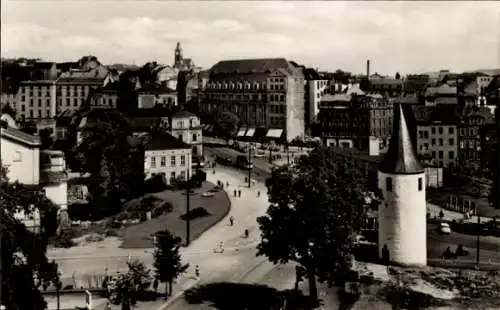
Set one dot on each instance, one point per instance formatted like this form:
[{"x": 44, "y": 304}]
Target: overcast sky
[{"x": 396, "y": 36}]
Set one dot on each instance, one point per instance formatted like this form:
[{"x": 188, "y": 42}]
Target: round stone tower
[{"x": 402, "y": 230}]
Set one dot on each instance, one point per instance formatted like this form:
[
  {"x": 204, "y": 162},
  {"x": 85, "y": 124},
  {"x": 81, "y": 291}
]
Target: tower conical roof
[{"x": 400, "y": 157}]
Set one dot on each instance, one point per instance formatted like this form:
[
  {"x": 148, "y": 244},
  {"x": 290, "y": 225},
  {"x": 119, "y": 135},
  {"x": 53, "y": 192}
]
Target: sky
[{"x": 405, "y": 37}]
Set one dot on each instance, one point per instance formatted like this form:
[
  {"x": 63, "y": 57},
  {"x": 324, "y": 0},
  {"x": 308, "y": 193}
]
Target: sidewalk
[{"x": 453, "y": 215}]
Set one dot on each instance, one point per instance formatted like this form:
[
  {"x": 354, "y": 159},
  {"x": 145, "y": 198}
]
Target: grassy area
[
  {"x": 140, "y": 235},
  {"x": 441, "y": 196}
]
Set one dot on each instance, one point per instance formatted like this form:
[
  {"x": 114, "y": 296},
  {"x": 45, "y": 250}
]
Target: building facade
[
  {"x": 437, "y": 134},
  {"x": 167, "y": 156},
  {"x": 187, "y": 128},
  {"x": 353, "y": 121},
  {"x": 469, "y": 137},
  {"x": 150, "y": 96},
  {"x": 263, "y": 93},
  {"x": 103, "y": 98},
  {"x": 21, "y": 155}
]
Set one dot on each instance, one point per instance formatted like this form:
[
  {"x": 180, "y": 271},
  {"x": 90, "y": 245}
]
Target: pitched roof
[
  {"x": 183, "y": 113},
  {"x": 155, "y": 89},
  {"x": 337, "y": 97},
  {"x": 400, "y": 157},
  {"x": 19, "y": 136},
  {"x": 245, "y": 66},
  {"x": 163, "y": 141},
  {"x": 444, "y": 114}
]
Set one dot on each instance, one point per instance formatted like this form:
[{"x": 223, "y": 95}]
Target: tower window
[
  {"x": 420, "y": 184},
  {"x": 388, "y": 184}
]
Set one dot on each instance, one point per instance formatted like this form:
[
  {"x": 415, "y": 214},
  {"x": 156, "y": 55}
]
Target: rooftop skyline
[{"x": 406, "y": 37}]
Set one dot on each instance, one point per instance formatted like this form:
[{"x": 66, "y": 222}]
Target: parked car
[
  {"x": 444, "y": 228},
  {"x": 224, "y": 160},
  {"x": 259, "y": 154},
  {"x": 207, "y": 194}
]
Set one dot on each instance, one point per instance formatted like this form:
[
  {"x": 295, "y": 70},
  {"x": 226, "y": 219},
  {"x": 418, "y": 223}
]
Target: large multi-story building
[
  {"x": 436, "y": 134},
  {"x": 44, "y": 94},
  {"x": 263, "y": 93},
  {"x": 353, "y": 121},
  {"x": 469, "y": 136}
]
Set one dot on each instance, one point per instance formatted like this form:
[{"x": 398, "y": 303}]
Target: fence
[{"x": 457, "y": 204}]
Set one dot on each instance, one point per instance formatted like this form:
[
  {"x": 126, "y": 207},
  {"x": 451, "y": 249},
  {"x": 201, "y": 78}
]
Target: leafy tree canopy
[
  {"x": 227, "y": 124},
  {"x": 114, "y": 160},
  {"x": 342, "y": 76},
  {"x": 25, "y": 267},
  {"x": 168, "y": 263},
  {"x": 316, "y": 208}
]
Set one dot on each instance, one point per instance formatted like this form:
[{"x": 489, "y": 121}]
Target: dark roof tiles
[
  {"x": 164, "y": 141},
  {"x": 400, "y": 157},
  {"x": 245, "y": 66}
]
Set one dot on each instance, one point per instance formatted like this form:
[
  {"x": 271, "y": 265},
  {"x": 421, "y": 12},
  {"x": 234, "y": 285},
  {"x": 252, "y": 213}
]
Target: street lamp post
[
  {"x": 477, "y": 242},
  {"x": 250, "y": 166},
  {"x": 58, "y": 285},
  {"x": 188, "y": 201}
]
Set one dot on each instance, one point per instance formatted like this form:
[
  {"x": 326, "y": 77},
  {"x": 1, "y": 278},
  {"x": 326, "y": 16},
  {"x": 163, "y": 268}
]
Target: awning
[
  {"x": 250, "y": 132},
  {"x": 241, "y": 133},
  {"x": 274, "y": 133}
]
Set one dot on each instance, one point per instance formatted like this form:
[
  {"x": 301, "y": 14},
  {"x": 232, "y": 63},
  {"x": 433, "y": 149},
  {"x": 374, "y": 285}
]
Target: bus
[{"x": 243, "y": 162}]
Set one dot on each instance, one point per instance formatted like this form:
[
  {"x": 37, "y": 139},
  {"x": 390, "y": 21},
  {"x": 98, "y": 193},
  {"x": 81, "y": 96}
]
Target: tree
[
  {"x": 342, "y": 76},
  {"x": 168, "y": 263},
  {"x": 114, "y": 160},
  {"x": 46, "y": 138},
  {"x": 398, "y": 76},
  {"x": 364, "y": 84},
  {"x": 227, "y": 124},
  {"x": 25, "y": 267},
  {"x": 137, "y": 280},
  {"x": 316, "y": 208}
]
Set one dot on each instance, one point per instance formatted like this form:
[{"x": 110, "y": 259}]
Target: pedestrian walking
[
  {"x": 239, "y": 193},
  {"x": 197, "y": 271},
  {"x": 235, "y": 193},
  {"x": 227, "y": 184},
  {"x": 246, "y": 233},
  {"x": 213, "y": 172},
  {"x": 258, "y": 193},
  {"x": 231, "y": 220}
]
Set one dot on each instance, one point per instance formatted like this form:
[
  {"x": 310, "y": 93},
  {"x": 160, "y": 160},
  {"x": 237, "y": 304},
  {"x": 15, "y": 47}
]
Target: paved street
[{"x": 238, "y": 263}]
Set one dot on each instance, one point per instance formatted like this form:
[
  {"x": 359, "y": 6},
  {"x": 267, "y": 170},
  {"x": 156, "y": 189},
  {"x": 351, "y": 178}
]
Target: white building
[
  {"x": 186, "y": 127},
  {"x": 21, "y": 155},
  {"x": 402, "y": 223},
  {"x": 53, "y": 177},
  {"x": 317, "y": 89},
  {"x": 167, "y": 156}
]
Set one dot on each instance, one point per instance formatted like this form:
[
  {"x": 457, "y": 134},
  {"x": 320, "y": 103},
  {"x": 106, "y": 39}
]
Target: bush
[
  {"x": 161, "y": 209},
  {"x": 154, "y": 184},
  {"x": 195, "y": 213},
  {"x": 64, "y": 239}
]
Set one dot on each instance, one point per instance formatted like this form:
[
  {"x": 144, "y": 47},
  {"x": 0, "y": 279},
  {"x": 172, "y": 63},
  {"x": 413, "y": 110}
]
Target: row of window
[
  {"x": 163, "y": 161},
  {"x": 36, "y": 113},
  {"x": 173, "y": 176},
  {"x": 180, "y": 124},
  {"x": 389, "y": 185},
  {"x": 275, "y": 83}
]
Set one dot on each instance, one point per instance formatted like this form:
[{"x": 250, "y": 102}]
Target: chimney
[{"x": 368, "y": 69}]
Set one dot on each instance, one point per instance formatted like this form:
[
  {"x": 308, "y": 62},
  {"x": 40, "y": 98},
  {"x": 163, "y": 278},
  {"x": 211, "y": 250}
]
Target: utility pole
[
  {"x": 477, "y": 242},
  {"x": 287, "y": 154},
  {"x": 188, "y": 198},
  {"x": 250, "y": 165}
]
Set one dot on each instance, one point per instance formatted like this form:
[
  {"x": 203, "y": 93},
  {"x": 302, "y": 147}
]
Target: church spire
[
  {"x": 400, "y": 157},
  {"x": 178, "y": 56}
]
